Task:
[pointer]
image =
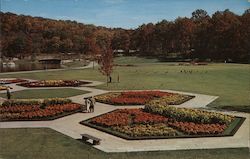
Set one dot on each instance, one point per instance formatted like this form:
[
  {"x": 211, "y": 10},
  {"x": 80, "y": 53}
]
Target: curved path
[{"x": 70, "y": 126}]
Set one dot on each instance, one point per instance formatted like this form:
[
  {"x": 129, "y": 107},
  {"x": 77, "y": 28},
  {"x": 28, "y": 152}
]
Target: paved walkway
[{"x": 70, "y": 126}]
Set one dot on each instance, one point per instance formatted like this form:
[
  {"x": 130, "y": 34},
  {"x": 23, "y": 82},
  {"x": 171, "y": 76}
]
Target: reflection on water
[{"x": 27, "y": 67}]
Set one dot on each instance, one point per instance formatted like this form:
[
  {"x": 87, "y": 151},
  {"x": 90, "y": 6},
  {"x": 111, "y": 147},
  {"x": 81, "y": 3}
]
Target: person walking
[
  {"x": 93, "y": 100},
  {"x": 8, "y": 93},
  {"x": 86, "y": 104},
  {"x": 92, "y": 104},
  {"x": 110, "y": 79}
]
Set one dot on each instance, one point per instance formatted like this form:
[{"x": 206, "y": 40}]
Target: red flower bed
[
  {"x": 54, "y": 83},
  {"x": 18, "y": 109},
  {"x": 144, "y": 94},
  {"x": 141, "y": 97},
  {"x": 136, "y": 122},
  {"x": 145, "y": 118},
  {"x": 198, "y": 129},
  {"x": 9, "y": 81},
  {"x": 112, "y": 119},
  {"x": 141, "y": 117},
  {"x": 126, "y": 101},
  {"x": 123, "y": 117},
  {"x": 30, "y": 112},
  {"x": 137, "y": 97}
]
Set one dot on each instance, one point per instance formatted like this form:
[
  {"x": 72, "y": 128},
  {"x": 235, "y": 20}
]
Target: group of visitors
[{"x": 90, "y": 104}]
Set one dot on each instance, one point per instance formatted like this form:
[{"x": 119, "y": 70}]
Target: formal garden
[
  {"x": 124, "y": 79},
  {"x": 158, "y": 115},
  {"x": 158, "y": 121}
]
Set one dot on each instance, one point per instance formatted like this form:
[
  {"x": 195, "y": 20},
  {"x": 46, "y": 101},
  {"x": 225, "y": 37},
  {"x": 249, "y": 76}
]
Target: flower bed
[
  {"x": 54, "y": 83},
  {"x": 147, "y": 130},
  {"x": 141, "y": 97},
  {"x": 191, "y": 128},
  {"x": 189, "y": 115},
  {"x": 123, "y": 117},
  {"x": 144, "y": 124},
  {"x": 10, "y": 81},
  {"x": 37, "y": 110}
]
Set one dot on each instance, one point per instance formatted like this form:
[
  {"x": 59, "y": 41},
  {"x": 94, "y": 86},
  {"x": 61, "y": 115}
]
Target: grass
[
  {"x": 228, "y": 81},
  {"x": 43, "y": 143},
  {"x": 240, "y": 108},
  {"x": 45, "y": 93}
]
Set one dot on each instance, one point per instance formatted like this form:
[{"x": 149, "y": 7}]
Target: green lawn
[
  {"x": 228, "y": 81},
  {"x": 43, "y": 143},
  {"x": 45, "y": 93}
]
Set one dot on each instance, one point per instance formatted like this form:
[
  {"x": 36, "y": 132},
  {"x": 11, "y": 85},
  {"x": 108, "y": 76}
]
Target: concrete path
[
  {"x": 200, "y": 100},
  {"x": 70, "y": 126}
]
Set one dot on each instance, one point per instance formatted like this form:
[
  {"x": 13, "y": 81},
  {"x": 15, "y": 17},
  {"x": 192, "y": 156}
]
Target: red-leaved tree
[{"x": 106, "y": 61}]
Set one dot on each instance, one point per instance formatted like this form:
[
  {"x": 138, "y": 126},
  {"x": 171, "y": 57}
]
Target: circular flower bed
[
  {"x": 36, "y": 110},
  {"x": 157, "y": 122},
  {"x": 54, "y": 83},
  {"x": 141, "y": 97}
]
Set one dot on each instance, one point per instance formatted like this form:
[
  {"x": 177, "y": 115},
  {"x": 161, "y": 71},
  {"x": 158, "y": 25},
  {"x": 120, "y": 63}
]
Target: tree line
[{"x": 221, "y": 36}]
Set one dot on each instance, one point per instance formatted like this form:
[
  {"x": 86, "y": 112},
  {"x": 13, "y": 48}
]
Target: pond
[{"x": 27, "y": 66}]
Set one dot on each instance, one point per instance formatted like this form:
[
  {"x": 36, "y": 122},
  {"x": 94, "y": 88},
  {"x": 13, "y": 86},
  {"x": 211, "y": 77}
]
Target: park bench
[{"x": 96, "y": 141}]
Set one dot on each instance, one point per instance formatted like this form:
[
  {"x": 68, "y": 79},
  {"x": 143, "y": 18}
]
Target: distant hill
[{"x": 222, "y": 36}]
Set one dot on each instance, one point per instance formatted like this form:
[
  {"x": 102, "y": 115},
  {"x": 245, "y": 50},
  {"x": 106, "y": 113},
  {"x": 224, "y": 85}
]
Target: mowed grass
[
  {"x": 231, "y": 82},
  {"x": 43, "y": 143},
  {"x": 45, "y": 93},
  {"x": 228, "y": 81}
]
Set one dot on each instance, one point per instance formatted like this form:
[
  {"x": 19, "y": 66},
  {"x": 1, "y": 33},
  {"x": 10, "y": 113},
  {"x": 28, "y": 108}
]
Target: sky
[{"x": 119, "y": 13}]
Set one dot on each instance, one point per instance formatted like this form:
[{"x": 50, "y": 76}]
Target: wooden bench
[{"x": 96, "y": 141}]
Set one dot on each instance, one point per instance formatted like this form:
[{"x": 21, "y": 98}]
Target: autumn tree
[
  {"x": 121, "y": 40},
  {"x": 106, "y": 61},
  {"x": 224, "y": 35}
]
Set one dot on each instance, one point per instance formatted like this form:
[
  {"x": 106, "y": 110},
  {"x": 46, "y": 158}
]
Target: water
[{"x": 27, "y": 66}]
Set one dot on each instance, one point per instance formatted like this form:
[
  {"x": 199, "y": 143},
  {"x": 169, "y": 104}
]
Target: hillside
[{"x": 223, "y": 36}]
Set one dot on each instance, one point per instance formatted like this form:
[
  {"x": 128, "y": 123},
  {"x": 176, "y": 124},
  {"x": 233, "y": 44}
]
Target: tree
[
  {"x": 106, "y": 63},
  {"x": 199, "y": 15},
  {"x": 21, "y": 45},
  {"x": 121, "y": 40},
  {"x": 222, "y": 36}
]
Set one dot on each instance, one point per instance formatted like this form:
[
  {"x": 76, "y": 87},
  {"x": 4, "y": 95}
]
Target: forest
[{"x": 222, "y": 36}]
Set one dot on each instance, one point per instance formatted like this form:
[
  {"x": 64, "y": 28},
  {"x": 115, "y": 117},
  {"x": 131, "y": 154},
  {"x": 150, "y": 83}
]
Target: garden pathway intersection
[{"x": 70, "y": 126}]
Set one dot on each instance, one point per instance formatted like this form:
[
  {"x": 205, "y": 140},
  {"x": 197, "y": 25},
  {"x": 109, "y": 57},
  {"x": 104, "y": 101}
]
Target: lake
[{"x": 28, "y": 66}]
